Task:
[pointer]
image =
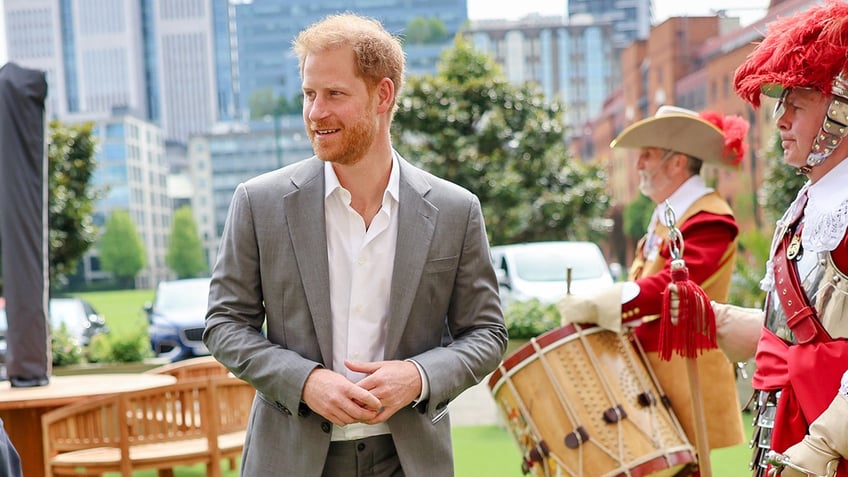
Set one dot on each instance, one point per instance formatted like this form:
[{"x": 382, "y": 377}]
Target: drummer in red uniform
[
  {"x": 672, "y": 146},
  {"x": 802, "y": 354}
]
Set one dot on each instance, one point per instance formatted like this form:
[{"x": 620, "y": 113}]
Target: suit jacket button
[{"x": 325, "y": 426}]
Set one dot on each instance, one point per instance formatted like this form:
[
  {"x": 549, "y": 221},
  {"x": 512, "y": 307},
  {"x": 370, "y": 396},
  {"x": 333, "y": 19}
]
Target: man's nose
[{"x": 317, "y": 110}]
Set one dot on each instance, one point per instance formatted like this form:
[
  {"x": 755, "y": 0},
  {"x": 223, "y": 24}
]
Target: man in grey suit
[{"x": 371, "y": 277}]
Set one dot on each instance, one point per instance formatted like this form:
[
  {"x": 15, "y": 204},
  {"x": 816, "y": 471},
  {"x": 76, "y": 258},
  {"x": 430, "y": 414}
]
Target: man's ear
[
  {"x": 680, "y": 160},
  {"x": 385, "y": 95}
]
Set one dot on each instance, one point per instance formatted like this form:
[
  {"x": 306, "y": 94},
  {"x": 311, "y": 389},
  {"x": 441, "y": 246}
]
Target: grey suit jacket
[{"x": 273, "y": 270}]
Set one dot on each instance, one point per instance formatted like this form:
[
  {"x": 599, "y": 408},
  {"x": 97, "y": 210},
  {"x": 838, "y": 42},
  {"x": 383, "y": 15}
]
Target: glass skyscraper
[
  {"x": 253, "y": 41},
  {"x": 631, "y": 19}
]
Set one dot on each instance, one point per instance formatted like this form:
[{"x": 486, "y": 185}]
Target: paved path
[{"x": 475, "y": 407}]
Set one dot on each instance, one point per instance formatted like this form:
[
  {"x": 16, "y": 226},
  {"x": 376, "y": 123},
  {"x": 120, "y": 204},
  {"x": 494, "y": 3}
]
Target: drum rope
[
  {"x": 676, "y": 422},
  {"x": 610, "y": 396},
  {"x": 627, "y": 350},
  {"x": 681, "y": 434},
  {"x": 537, "y": 435},
  {"x": 572, "y": 413}
]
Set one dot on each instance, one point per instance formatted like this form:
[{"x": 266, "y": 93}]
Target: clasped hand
[{"x": 388, "y": 386}]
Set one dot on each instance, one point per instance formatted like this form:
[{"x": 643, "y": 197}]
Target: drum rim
[
  {"x": 671, "y": 457},
  {"x": 546, "y": 339}
]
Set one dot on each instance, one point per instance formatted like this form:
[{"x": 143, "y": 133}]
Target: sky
[{"x": 747, "y": 10}]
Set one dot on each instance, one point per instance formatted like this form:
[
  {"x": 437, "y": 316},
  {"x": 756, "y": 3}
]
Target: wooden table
[{"x": 21, "y": 408}]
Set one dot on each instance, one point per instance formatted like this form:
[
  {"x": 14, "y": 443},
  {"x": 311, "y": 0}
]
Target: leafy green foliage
[
  {"x": 420, "y": 31},
  {"x": 637, "y": 216},
  {"x": 128, "y": 347},
  {"x": 263, "y": 103},
  {"x": 530, "y": 318},
  {"x": 121, "y": 249},
  {"x": 780, "y": 184},
  {"x": 64, "y": 348},
  {"x": 71, "y": 197},
  {"x": 185, "y": 249},
  {"x": 753, "y": 252},
  {"x": 505, "y": 143}
]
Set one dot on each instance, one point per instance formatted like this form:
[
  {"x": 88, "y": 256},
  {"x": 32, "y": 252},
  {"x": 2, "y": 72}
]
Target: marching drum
[{"x": 580, "y": 401}]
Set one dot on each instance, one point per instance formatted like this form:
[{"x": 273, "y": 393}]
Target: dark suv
[{"x": 177, "y": 318}]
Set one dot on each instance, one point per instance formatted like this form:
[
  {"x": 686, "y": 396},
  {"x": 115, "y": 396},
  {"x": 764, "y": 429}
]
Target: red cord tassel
[{"x": 693, "y": 329}]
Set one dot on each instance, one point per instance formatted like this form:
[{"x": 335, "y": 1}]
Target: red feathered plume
[
  {"x": 734, "y": 129},
  {"x": 808, "y": 49}
]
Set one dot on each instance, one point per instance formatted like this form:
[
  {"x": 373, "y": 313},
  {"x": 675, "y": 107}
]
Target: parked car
[
  {"x": 177, "y": 318},
  {"x": 540, "y": 269},
  {"x": 77, "y": 315}
]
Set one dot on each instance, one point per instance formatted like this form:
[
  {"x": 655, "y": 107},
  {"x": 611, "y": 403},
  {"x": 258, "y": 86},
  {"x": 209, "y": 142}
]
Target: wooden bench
[
  {"x": 200, "y": 367},
  {"x": 200, "y": 420}
]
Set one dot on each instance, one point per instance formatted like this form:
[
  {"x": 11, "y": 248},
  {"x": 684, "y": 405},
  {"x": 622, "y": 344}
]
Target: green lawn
[
  {"x": 489, "y": 451},
  {"x": 123, "y": 310},
  {"x": 479, "y": 450}
]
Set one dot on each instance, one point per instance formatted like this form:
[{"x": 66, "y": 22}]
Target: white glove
[
  {"x": 738, "y": 330},
  {"x": 826, "y": 443},
  {"x": 602, "y": 308}
]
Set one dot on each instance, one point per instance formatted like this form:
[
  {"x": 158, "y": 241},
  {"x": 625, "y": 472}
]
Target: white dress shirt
[
  {"x": 680, "y": 200},
  {"x": 361, "y": 263}
]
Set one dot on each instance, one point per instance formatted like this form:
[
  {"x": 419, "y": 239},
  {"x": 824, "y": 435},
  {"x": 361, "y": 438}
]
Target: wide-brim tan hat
[{"x": 681, "y": 130}]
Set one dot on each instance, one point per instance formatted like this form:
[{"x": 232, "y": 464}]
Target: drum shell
[{"x": 571, "y": 376}]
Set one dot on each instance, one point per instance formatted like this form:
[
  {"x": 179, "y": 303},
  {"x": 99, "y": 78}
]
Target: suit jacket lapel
[
  {"x": 416, "y": 226},
  {"x": 305, "y": 213}
]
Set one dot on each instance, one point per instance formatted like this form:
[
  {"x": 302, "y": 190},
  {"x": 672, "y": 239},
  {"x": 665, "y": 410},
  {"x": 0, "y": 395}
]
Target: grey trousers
[{"x": 369, "y": 457}]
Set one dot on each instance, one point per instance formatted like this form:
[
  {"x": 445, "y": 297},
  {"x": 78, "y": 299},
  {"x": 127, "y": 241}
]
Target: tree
[
  {"x": 185, "y": 250},
  {"x": 421, "y": 31},
  {"x": 71, "y": 197},
  {"x": 121, "y": 249},
  {"x": 780, "y": 184},
  {"x": 502, "y": 142},
  {"x": 637, "y": 217},
  {"x": 264, "y": 103}
]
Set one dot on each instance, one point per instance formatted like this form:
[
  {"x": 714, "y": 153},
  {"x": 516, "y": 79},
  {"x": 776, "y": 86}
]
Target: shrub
[
  {"x": 528, "y": 319},
  {"x": 128, "y": 348},
  {"x": 64, "y": 347}
]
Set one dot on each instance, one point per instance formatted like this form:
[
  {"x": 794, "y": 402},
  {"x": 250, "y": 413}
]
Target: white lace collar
[
  {"x": 826, "y": 214},
  {"x": 680, "y": 200}
]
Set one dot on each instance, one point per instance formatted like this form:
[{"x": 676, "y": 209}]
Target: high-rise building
[
  {"x": 185, "y": 67},
  {"x": 179, "y": 66},
  {"x": 253, "y": 41},
  {"x": 133, "y": 173},
  {"x": 153, "y": 58},
  {"x": 631, "y": 19},
  {"x": 219, "y": 161},
  {"x": 571, "y": 61}
]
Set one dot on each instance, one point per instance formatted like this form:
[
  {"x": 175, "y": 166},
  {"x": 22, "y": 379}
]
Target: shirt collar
[
  {"x": 829, "y": 191},
  {"x": 331, "y": 180},
  {"x": 681, "y": 199}
]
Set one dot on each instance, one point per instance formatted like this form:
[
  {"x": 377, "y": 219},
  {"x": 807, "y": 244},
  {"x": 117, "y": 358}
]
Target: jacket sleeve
[{"x": 706, "y": 237}]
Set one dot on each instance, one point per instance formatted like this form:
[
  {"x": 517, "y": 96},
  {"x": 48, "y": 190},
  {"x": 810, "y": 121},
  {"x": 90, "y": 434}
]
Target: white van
[{"x": 540, "y": 269}]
